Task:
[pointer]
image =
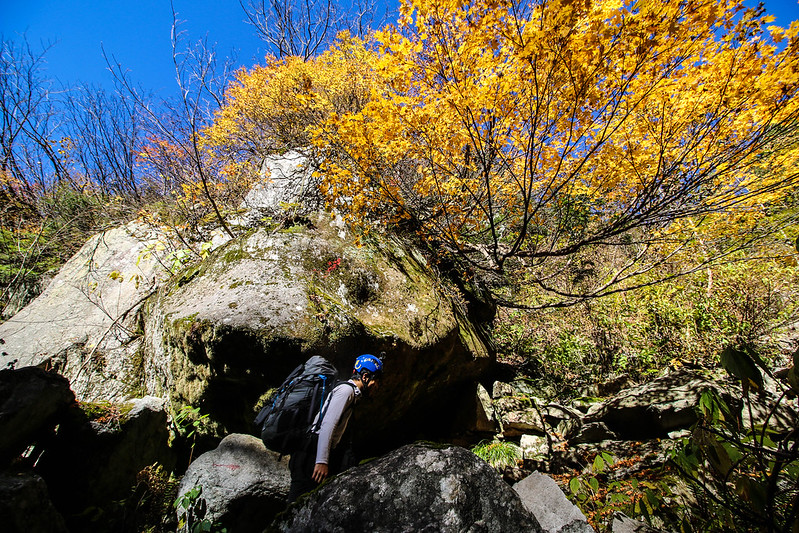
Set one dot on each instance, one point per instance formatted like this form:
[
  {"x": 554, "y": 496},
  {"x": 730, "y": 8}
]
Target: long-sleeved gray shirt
[{"x": 337, "y": 411}]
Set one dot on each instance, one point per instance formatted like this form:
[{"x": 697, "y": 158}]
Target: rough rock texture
[
  {"x": 31, "y": 400},
  {"x": 92, "y": 462},
  {"x": 591, "y": 432},
  {"x": 415, "y": 488},
  {"x": 485, "y": 418},
  {"x": 25, "y": 506},
  {"x": 544, "y": 499},
  {"x": 517, "y": 416},
  {"x": 668, "y": 404},
  {"x": 518, "y": 422},
  {"x": 235, "y": 325},
  {"x": 782, "y": 419},
  {"x": 23, "y": 294},
  {"x": 244, "y": 485},
  {"x": 653, "y": 409},
  {"x": 82, "y": 325},
  {"x": 534, "y": 447},
  {"x": 286, "y": 184}
]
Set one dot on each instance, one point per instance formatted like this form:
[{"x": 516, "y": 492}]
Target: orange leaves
[{"x": 159, "y": 148}]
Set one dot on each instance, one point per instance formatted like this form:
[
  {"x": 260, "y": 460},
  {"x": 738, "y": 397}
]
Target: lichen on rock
[
  {"x": 237, "y": 323},
  {"x": 414, "y": 488}
]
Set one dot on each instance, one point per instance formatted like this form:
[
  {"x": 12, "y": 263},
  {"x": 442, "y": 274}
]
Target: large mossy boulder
[
  {"x": 219, "y": 334},
  {"x": 414, "y": 488},
  {"x": 230, "y": 328}
]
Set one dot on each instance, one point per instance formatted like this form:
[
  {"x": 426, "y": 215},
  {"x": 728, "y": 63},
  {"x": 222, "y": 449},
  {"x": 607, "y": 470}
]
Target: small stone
[
  {"x": 534, "y": 447},
  {"x": 553, "y": 511}
]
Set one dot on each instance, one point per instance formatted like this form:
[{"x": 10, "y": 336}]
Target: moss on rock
[{"x": 238, "y": 322}]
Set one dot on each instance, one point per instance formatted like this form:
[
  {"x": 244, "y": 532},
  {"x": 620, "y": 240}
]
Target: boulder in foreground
[
  {"x": 415, "y": 488},
  {"x": 243, "y": 485}
]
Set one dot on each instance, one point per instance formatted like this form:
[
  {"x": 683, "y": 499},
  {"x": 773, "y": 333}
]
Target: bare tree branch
[{"x": 304, "y": 28}]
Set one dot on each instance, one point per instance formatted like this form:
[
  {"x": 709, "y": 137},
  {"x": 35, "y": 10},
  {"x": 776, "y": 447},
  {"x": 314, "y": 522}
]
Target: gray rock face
[
  {"x": 82, "y": 325},
  {"x": 517, "y": 416},
  {"x": 244, "y": 485},
  {"x": 544, "y": 499},
  {"x": 592, "y": 432},
  {"x": 485, "y": 419},
  {"x": 415, "y": 488},
  {"x": 653, "y": 409},
  {"x": 227, "y": 330},
  {"x": 23, "y": 294},
  {"x": 30, "y": 402},
  {"x": 534, "y": 446},
  {"x": 516, "y": 423},
  {"x": 25, "y": 506},
  {"x": 780, "y": 417},
  {"x": 667, "y": 404},
  {"x": 286, "y": 183}
]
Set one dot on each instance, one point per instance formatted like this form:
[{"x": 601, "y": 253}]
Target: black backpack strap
[{"x": 324, "y": 409}]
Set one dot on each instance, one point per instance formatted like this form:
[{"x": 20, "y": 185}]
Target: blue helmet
[{"x": 370, "y": 363}]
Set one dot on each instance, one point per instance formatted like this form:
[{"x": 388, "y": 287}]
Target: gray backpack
[{"x": 285, "y": 422}]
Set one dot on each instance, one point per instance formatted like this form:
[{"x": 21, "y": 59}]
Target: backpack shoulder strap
[{"x": 324, "y": 409}]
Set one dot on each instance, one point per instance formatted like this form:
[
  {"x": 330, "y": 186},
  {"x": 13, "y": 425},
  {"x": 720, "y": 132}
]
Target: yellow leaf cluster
[
  {"x": 498, "y": 112},
  {"x": 270, "y": 108}
]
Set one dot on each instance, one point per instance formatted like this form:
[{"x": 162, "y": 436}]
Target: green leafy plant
[
  {"x": 745, "y": 475},
  {"x": 148, "y": 507},
  {"x": 599, "y": 497},
  {"x": 499, "y": 454},
  {"x": 671, "y": 324},
  {"x": 178, "y": 258},
  {"x": 192, "y": 510},
  {"x": 189, "y": 422}
]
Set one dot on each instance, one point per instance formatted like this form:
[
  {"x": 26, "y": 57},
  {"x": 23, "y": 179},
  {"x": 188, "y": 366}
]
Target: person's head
[{"x": 368, "y": 369}]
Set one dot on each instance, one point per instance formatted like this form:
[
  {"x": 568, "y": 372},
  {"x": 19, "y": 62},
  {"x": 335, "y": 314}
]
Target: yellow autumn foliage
[
  {"x": 516, "y": 135},
  {"x": 532, "y": 129},
  {"x": 269, "y": 108}
]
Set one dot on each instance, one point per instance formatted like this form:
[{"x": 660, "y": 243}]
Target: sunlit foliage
[
  {"x": 519, "y": 136},
  {"x": 269, "y": 109}
]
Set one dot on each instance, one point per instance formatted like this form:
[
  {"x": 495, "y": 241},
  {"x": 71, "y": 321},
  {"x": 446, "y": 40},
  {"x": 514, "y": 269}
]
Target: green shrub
[
  {"x": 499, "y": 454},
  {"x": 745, "y": 477}
]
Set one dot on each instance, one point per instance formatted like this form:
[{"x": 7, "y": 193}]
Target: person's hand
[{"x": 319, "y": 472}]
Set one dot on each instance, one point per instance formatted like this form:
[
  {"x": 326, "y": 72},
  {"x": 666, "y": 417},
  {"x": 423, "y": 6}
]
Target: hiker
[{"x": 320, "y": 456}]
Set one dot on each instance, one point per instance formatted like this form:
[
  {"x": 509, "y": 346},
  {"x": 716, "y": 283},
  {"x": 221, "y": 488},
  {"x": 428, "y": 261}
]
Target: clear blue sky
[{"x": 137, "y": 34}]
